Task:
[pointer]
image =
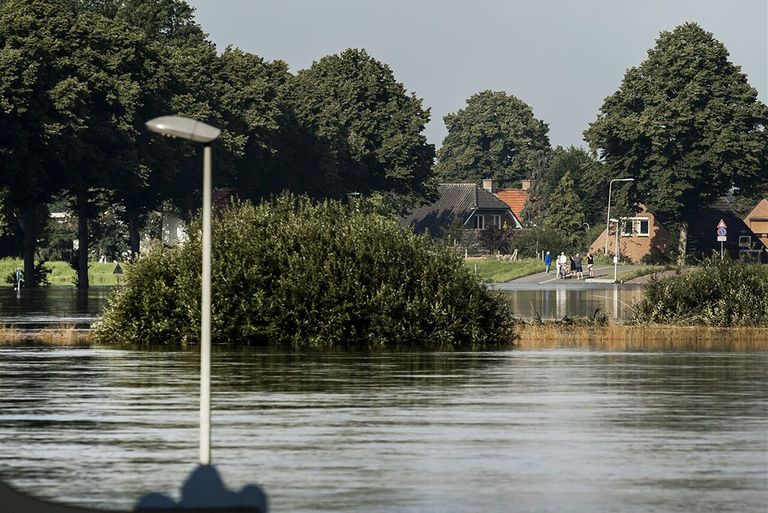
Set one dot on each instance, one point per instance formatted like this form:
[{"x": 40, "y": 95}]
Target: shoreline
[{"x": 547, "y": 335}]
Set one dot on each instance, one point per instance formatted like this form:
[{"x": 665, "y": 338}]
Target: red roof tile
[{"x": 515, "y": 198}]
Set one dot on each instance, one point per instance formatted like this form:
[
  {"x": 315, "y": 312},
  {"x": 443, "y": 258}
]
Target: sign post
[{"x": 722, "y": 231}]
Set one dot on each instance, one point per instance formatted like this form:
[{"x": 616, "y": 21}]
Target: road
[{"x": 543, "y": 280}]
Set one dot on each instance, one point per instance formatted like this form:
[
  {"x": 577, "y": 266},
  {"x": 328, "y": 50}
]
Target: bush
[
  {"x": 298, "y": 274},
  {"x": 721, "y": 293}
]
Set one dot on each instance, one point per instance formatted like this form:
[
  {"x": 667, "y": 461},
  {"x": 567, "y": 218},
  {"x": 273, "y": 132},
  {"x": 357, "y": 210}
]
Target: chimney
[
  {"x": 488, "y": 185},
  {"x": 526, "y": 185}
]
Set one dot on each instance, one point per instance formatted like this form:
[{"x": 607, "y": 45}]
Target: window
[
  {"x": 643, "y": 227},
  {"x": 479, "y": 222},
  {"x": 636, "y": 226},
  {"x": 496, "y": 221}
]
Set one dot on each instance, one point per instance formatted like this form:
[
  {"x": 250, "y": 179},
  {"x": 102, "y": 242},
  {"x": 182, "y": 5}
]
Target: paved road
[{"x": 543, "y": 280}]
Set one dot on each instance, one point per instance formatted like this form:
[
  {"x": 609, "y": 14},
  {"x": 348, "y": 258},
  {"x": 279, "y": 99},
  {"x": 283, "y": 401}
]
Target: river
[{"x": 529, "y": 431}]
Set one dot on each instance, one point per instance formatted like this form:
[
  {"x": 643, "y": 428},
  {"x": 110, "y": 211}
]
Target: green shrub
[
  {"x": 298, "y": 274},
  {"x": 721, "y": 293}
]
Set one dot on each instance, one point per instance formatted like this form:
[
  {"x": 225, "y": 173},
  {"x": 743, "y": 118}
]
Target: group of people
[{"x": 570, "y": 266}]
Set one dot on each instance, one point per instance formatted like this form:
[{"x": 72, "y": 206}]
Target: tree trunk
[
  {"x": 133, "y": 231},
  {"x": 28, "y": 224},
  {"x": 682, "y": 243},
  {"x": 82, "y": 237}
]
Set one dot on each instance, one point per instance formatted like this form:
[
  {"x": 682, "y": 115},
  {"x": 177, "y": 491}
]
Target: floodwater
[
  {"x": 530, "y": 431},
  {"x": 52, "y": 305},
  {"x": 68, "y": 305},
  {"x": 557, "y": 301}
]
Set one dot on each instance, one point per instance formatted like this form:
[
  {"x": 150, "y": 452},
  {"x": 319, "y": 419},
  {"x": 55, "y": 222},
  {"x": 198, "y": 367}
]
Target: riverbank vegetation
[
  {"x": 721, "y": 292},
  {"x": 58, "y": 336},
  {"x": 295, "y": 273},
  {"x": 622, "y": 337}
]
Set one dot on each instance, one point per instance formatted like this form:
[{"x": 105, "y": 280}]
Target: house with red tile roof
[{"x": 515, "y": 198}]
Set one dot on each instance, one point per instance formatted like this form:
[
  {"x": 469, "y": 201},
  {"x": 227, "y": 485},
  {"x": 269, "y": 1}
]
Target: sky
[{"x": 561, "y": 57}]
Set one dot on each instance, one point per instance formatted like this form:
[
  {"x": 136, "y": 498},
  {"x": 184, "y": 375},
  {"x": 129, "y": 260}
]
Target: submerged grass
[
  {"x": 59, "y": 336},
  {"x": 621, "y": 337}
]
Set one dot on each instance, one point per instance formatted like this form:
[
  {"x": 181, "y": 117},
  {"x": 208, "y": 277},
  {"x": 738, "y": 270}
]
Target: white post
[
  {"x": 608, "y": 217},
  {"x": 205, "y": 328},
  {"x": 616, "y": 255}
]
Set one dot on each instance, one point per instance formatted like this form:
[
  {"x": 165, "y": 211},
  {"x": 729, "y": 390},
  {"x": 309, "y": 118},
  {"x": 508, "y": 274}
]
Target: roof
[
  {"x": 456, "y": 200},
  {"x": 515, "y": 198},
  {"x": 760, "y": 212}
]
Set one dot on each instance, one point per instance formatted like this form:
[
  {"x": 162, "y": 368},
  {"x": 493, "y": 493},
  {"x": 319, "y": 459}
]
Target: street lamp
[
  {"x": 196, "y": 131},
  {"x": 608, "y": 217},
  {"x": 618, "y": 248}
]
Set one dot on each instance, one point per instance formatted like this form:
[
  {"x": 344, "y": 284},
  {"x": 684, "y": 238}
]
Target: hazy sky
[{"x": 562, "y": 57}]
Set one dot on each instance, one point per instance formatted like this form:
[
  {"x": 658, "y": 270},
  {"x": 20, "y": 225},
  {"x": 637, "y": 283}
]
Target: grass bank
[
  {"x": 494, "y": 270},
  {"x": 621, "y": 337},
  {"x": 644, "y": 271},
  {"x": 63, "y": 274}
]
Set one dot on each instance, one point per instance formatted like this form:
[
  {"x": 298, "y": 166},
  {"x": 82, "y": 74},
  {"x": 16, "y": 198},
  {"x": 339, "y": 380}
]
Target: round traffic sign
[{"x": 721, "y": 231}]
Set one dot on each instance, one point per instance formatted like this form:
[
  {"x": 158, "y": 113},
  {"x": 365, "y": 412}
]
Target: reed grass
[
  {"x": 58, "y": 336},
  {"x": 621, "y": 337}
]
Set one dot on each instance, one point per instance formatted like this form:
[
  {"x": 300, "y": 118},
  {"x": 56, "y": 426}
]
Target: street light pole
[
  {"x": 205, "y": 320},
  {"x": 608, "y": 217},
  {"x": 196, "y": 131}
]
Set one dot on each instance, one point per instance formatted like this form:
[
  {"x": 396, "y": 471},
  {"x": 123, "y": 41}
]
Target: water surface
[{"x": 402, "y": 432}]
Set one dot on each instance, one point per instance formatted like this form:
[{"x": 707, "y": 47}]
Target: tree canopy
[
  {"x": 685, "y": 124},
  {"x": 495, "y": 136},
  {"x": 78, "y": 79},
  {"x": 371, "y": 127}
]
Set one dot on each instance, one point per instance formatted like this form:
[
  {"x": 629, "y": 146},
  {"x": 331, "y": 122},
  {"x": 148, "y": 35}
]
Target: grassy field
[
  {"x": 63, "y": 274},
  {"x": 492, "y": 270}
]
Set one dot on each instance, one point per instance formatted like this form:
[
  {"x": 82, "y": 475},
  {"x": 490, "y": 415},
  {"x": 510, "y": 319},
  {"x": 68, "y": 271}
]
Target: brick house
[
  {"x": 641, "y": 235},
  {"x": 757, "y": 220}
]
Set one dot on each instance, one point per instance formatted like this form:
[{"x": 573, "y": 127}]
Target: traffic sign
[
  {"x": 721, "y": 224},
  {"x": 721, "y": 238},
  {"x": 721, "y": 231}
]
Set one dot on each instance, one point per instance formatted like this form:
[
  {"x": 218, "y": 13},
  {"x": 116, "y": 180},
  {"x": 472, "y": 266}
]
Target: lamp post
[
  {"x": 196, "y": 131},
  {"x": 618, "y": 249},
  {"x": 608, "y": 217}
]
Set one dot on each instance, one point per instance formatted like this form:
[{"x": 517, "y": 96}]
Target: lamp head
[{"x": 183, "y": 128}]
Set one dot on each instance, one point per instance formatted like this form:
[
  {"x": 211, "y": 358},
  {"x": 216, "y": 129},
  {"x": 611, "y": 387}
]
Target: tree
[
  {"x": 686, "y": 125},
  {"x": 566, "y": 213},
  {"x": 366, "y": 122},
  {"x": 35, "y": 96},
  {"x": 168, "y": 21},
  {"x": 494, "y": 136},
  {"x": 590, "y": 183}
]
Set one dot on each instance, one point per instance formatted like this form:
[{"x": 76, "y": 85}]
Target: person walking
[
  {"x": 547, "y": 261},
  {"x": 590, "y": 264},
  {"x": 561, "y": 262},
  {"x": 579, "y": 268},
  {"x": 572, "y": 266}
]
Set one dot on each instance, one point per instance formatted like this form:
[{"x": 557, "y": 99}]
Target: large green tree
[
  {"x": 369, "y": 126},
  {"x": 686, "y": 125},
  {"x": 35, "y": 97},
  {"x": 566, "y": 214},
  {"x": 495, "y": 136}
]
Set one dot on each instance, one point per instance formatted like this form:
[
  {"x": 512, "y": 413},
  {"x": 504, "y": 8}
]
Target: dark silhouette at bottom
[{"x": 202, "y": 492}]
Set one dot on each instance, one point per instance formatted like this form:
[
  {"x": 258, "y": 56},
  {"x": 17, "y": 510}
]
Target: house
[
  {"x": 757, "y": 220},
  {"x": 645, "y": 235},
  {"x": 641, "y": 235},
  {"x": 515, "y": 198},
  {"x": 740, "y": 241},
  {"x": 464, "y": 204}
]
